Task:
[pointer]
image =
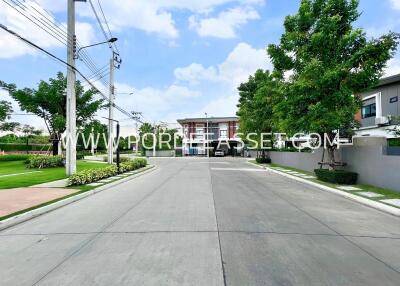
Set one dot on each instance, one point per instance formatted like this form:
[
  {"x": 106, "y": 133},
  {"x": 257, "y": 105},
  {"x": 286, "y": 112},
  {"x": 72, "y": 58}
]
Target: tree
[
  {"x": 5, "y": 110},
  {"x": 257, "y": 98},
  {"x": 49, "y": 103},
  {"x": 148, "y": 141},
  {"x": 330, "y": 61},
  {"x": 98, "y": 129},
  {"x": 29, "y": 132}
]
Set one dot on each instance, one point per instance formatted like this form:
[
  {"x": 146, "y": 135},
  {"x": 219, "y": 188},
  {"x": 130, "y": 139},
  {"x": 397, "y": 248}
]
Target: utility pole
[
  {"x": 111, "y": 114},
  {"x": 207, "y": 150},
  {"x": 71, "y": 96}
]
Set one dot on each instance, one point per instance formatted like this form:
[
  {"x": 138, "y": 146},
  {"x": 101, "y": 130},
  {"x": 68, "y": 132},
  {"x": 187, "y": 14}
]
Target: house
[
  {"x": 214, "y": 132},
  {"x": 380, "y": 106}
]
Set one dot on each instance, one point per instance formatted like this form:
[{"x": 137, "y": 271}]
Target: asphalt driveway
[{"x": 198, "y": 221}]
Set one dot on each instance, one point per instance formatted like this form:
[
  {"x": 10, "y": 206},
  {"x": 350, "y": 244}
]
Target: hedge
[
  {"x": 42, "y": 162},
  {"x": 20, "y": 157},
  {"x": 24, "y": 147},
  {"x": 90, "y": 176},
  {"x": 336, "y": 176},
  {"x": 264, "y": 160},
  {"x": 121, "y": 159}
]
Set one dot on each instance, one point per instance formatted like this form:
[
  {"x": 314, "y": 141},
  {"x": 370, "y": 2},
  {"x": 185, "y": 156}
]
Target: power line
[
  {"x": 68, "y": 65},
  {"x": 49, "y": 27},
  {"x": 108, "y": 27},
  {"x": 100, "y": 24}
]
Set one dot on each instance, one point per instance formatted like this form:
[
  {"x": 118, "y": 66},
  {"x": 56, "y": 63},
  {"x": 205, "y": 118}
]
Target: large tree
[
  {"x": 257, "y": 98},
  {"x": 330, "y": 62},
  {"x": 48, "y": 101}
]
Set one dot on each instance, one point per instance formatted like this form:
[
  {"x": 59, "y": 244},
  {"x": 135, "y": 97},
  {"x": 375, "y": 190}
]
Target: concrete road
[{"x": 205, "y": 222}]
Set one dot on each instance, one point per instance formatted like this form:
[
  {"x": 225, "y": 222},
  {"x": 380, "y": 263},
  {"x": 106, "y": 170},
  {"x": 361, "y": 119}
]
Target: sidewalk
[{"x": 14, "y": 200}]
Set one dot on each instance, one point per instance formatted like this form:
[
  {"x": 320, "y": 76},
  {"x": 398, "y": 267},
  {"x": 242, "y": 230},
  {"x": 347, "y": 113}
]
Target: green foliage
[
  {"x": 258, "y": 96},
  {"x": 263, "y": 160},
  {"x": 16, "y": 157},
  {"x": 90, "y": 176},
  {"x": 5, "y": 110},
  {"x": 121, "y": 159},
  {"x": 336, "y": 176},
  {"x": 49, "y": 103},
  {"x": 98, "y": 129},
  {"x": 163, "y": 133},
  {"x": 394, "y": 142},
  {"x": 23, "y": 147},
  {"x": 42, "y": 162},
  {"x": 35, "y": 139},
  {"x": 329, "y": 61}
]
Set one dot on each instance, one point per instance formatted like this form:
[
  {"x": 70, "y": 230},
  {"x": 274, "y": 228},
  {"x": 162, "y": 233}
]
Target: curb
[
  {"x": 364, "y": 201},
  {"x": 12, "y": 221}
]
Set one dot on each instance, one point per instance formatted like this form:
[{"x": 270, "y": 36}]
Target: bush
[
  {"x": 90, "y": 176},
  {"x": 6, "y": 158},
  {"x": 80, "y": 156},
  {"x": 23, "y": 147},
  {"x": 264, "y": 160},
  {"x": 121, "y": 159},
  {"x": 42, "y": 162},
  {"x": 336, "y": 176}
]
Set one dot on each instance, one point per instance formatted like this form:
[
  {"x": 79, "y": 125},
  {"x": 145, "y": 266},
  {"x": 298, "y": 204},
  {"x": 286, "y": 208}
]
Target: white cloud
[
  {"x": 11, "y": 46},
  {"x": 393, "y": 67},
  {"x": 243, "y": 61},
  {"x": 225, "y": 25},
  {"x": 150, "y": 16},
  {"x": 195, "y": 73},
  {"x": 155, "y": 101},
  {"x": 395, "y": 4}
]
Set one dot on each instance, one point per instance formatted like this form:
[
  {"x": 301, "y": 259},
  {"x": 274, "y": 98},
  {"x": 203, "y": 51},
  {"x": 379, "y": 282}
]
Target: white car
[{"x": 219, "y": 153}]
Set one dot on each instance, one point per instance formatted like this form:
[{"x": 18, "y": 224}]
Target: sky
[{"x": 181, "y": 58}]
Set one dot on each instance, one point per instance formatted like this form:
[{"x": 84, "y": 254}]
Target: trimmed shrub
[
  {"x": 80, "y": 156},
  {"x": 121, "y": 159},
  {"x": 262, "y": 160},
  {"x": 336, "y": 176},
  {"x": 16, "y": 157},
  {"x": 90, "y": 176},
  {"x": 23, "y": 147},
  {"x": 42, "y": 162}
]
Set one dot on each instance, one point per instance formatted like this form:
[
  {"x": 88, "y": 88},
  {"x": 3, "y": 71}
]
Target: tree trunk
[
  {"x": 331, "y": 157},
  {"x": 55, "y": 147}
]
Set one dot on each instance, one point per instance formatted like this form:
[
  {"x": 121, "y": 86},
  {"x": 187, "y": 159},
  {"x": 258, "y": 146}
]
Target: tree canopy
[
  {"x": 48, "y": 101},
  {"x": 257, "y": 98},
  {"x": 330, "y": 61}
]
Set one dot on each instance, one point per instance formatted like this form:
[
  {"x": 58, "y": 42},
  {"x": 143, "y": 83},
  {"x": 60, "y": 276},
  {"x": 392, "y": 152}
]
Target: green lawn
[
  {"x": 389, "y": 194},
  {"x": 41, "y": 176}
]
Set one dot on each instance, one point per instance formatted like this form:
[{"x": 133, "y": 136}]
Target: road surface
[{"x": 199, "y": 221}]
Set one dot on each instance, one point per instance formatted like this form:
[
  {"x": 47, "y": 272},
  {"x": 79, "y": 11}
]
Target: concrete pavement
[{"x": 198, "y": 221}]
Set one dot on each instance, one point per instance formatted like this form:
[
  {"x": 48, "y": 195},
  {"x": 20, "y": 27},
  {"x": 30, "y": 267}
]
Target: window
[
  {"x": 369, "y": 110},
  {"x": 222, "y": 133}
]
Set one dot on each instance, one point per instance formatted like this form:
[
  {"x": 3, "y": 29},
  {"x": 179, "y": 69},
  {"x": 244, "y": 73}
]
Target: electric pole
[
  {"x": 111, "y": 114},
  {"x": 71, "y": 96}
]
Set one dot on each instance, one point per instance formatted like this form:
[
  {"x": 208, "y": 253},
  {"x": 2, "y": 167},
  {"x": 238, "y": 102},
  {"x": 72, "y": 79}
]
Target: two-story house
[
  {"x": 221, "y": 134},
  {"x": 379, "y": 108}
]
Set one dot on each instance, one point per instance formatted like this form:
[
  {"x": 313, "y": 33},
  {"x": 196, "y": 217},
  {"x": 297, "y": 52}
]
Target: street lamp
[{"x": 112, "y": 40}]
